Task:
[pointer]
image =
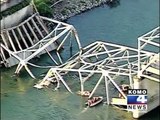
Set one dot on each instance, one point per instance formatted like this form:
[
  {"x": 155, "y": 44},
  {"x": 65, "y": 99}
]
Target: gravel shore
[{"x": 68, "y": 8}]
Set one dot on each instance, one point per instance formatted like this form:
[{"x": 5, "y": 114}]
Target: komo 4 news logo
[{"x": 137, "y": 100}]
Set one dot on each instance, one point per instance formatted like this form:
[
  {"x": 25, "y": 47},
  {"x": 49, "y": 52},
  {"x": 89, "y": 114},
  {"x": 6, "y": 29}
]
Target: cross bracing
[
  {"x": 105, "y": 59},
  {"x": 34, "y": 36},
  {"x": 149, "y": 67}
]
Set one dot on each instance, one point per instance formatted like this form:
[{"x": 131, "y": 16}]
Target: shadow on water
[
  {"x": 20, "y": 101},
  {"x": 113, "y": 3},
  {"x": 152, "y": 113}
]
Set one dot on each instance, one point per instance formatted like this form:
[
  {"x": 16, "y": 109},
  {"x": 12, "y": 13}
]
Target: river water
[{"x": 121, "y": 24}]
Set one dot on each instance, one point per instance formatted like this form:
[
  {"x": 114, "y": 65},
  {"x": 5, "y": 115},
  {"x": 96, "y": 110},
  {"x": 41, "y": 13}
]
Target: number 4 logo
[{"x": 142, "y": 99}]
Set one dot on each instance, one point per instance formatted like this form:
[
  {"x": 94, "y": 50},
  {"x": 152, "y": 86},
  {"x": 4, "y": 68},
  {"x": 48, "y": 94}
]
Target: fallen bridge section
[
  {"x": 106, "y": 60},
  {"x": 31, "y": 38},
  {"x": 108, "y": 64}
]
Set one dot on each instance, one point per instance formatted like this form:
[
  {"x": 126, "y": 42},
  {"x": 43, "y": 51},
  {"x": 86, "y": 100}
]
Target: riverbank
[
  {"x": 68, "y": 8},
  {"x": 59, "y": 9},
  {"x": 20, "y": 101}
]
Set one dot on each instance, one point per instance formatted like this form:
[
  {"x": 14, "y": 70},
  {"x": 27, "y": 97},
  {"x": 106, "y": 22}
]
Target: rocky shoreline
[{"x": 68, "y": 8}]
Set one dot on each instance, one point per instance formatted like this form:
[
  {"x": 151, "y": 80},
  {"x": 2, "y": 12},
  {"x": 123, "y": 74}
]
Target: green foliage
[
  {"x": 14, "y": 9},
  {"x": 43, "y": 7},
  {"x": 44, "y": 1}
]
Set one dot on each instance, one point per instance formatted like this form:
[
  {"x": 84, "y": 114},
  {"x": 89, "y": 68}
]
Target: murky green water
[
  {"x": 19, "y": 100},
  {"x": 123, "y": 24}
]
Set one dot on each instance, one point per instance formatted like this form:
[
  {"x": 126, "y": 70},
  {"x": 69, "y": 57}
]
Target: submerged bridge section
[
  {"x": 110, "y": 61},
  {"x": 34, "y": 36},
  {"x": 106, "y": 59}
]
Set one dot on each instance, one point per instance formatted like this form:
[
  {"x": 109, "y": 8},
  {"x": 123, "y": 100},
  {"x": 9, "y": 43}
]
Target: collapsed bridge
[
  {"x": 106, "y": 62},
  {"x": 38, "y": 35},
  {"x": 33, "y": 37}
]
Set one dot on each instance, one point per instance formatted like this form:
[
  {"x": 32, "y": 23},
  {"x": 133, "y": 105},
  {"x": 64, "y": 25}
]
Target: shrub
[{"x": 43, "y": 7}]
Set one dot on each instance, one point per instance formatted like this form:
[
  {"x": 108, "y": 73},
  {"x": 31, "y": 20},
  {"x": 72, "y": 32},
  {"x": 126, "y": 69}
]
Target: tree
[{"x": 43, "y": 7}]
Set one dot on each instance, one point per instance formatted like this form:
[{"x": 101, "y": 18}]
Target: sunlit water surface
[{"x": 122, "y": 25}]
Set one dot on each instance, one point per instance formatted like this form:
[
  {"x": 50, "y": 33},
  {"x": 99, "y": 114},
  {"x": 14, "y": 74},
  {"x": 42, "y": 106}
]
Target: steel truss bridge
[
  {"x": 110, "y": 61},
  {"x": 38, "y": 35},
  {"x": 33, "y": 37}
]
